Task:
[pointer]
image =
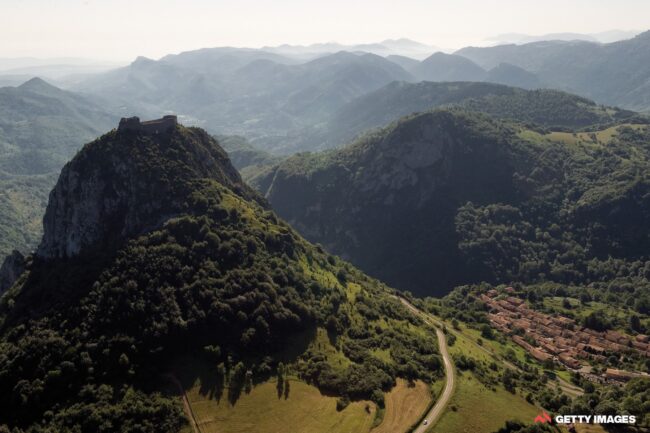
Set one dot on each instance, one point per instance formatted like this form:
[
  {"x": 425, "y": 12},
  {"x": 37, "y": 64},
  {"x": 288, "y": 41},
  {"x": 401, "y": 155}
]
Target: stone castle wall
[{"x": 157, "y": 126}]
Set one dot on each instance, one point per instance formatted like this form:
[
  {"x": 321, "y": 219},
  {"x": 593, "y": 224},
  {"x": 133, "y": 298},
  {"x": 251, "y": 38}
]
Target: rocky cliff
[{"x": 107, "y": 192}]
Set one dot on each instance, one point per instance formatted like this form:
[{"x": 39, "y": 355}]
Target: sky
[{"x": 123, "y": 29}]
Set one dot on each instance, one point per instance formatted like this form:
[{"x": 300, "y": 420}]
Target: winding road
[{"x": 434, "y": 414}]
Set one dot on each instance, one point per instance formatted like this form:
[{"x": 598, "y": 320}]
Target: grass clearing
[
  {"x": 477, "y": 409},
  {"x": 597, "y": 137},
  {"x": 404, "y": 406},
  {"x": 589, "y": 140},
  {"x": 305, "y": 410}
]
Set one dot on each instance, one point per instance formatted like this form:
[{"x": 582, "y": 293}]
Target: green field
[
  {"x": 305, "y": 410},
  {"x": 602, "y": 136},
  {"x": 580, "y": 310},
  {"x": 404, "y": 406},
  {"x": 477, "y": 409}
]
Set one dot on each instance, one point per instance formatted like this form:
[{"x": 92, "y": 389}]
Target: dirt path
[
  {"x": 450, "y": 374},
  {"x": 186, "y": 404}
]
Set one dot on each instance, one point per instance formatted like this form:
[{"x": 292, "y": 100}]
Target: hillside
[
  {"x": 157, "y": 262},
  {"x": 444, "y": 198},
  {"x": 512, "y": 75},
  {"x": 447, "y": 67},
  {"x": 41, "y": 127},
  {"x": 547, "y": 108},
  {"x": 615, "y": 74}
]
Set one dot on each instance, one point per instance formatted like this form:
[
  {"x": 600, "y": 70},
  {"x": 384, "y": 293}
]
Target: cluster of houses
[{"x": 557, "y": 338}]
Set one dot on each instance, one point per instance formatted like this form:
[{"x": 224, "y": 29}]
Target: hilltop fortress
[{"x": 157, "y": 126}]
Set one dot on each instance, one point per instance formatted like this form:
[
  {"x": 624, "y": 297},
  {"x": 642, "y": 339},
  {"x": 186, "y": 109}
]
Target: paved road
[
  {"x": 441, "y": 404},
  {"x": 565, "y": 386}
]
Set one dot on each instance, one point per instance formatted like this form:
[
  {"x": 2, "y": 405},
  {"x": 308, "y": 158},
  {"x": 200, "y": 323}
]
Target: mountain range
[
  {"x": 616, "y": 73},
  {"x": 545, "y": 108},
  {"x": 605, "y": 37},
  {"x": 276, "y": 99}
]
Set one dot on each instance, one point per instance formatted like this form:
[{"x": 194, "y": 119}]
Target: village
[{"x": 560, "y": 339}]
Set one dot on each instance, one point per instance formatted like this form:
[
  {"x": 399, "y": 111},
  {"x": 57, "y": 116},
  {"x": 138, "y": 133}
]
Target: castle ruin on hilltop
[{"x": 157, "y": 126}]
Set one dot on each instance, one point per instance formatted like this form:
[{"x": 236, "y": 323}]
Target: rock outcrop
[
  {"x": 12, "y": 267},
  {"x": 123, "y": 184}
]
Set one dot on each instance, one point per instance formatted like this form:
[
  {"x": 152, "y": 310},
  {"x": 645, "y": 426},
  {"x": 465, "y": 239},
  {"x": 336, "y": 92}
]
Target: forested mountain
[
  {"x": 247, "y": 159},
  {"x": 615, "y": 74},
  {"x": 154, "y": 249},
  {"x": 512, "y": 75},
  {"x": 448, "y": 67},
  {"x": 260, "y": 95},
  {"x": 448, "y": 197},
  {"x": 41, "y": 127},
  {"x": 547, "y": 108}
]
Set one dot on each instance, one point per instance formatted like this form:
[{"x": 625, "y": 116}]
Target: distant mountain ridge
[
  {"x": 546, "y": 108},
  {"x": 41, "y": 128},
  {"x": 399, "y": 47},
  {"x": 601, "y": 37},
  {"x": 615, "y": 74},
  {"x": 240, "y": 92},
  {"x": 277, "y": 100}
]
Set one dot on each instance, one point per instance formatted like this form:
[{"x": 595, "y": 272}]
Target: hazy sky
[{"x": 123, "y": 29}]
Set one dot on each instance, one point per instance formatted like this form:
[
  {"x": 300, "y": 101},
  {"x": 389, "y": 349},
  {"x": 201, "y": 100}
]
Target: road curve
[{"x": 434, "y": 414}]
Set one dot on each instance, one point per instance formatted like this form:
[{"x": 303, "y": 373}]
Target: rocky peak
[{"x": 124, "y": 184}]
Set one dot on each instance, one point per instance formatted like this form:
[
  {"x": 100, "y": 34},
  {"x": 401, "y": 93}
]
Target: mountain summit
[{"x": 115, "y": 189}]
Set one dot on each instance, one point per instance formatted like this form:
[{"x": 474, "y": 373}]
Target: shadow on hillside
[
  {"x": 55, "y": 285},
  {"x": 196, "y": 371}
]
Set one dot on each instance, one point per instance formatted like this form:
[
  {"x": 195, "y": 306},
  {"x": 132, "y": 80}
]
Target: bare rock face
[
  {"x": 126, "y": 183},
  {"x": 12, "y": 267},
  {"x": 86, "y": 205}
]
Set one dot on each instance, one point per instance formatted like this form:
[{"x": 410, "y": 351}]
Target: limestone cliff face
[
  {"x": 126, "y": 183},
  {"x": 388, "y": 201},
  {"x": 86, "y": 205}
]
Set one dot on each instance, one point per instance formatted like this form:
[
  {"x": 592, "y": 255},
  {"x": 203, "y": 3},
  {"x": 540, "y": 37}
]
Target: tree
[
  {"x": 508, "y": 380},
  {"x": 486, "y": 332},
  {"x": 248, "y": 381},
  {"x": 597, "y": 321},
  {"x": 342, "y": 403},
  {"x": 287, "y": 387},
  {"x": 635, "y": 323}
]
